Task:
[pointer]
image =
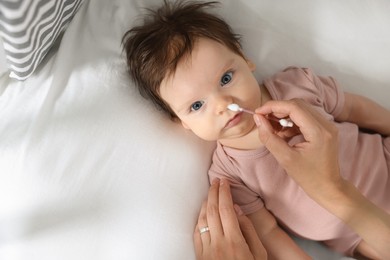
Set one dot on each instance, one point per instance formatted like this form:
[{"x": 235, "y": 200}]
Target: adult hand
[
  {"x": 230, "y": 235},
  {"x": 313, "y": 163}
]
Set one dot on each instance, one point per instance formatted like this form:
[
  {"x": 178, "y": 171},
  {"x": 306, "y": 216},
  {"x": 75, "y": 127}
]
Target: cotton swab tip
[
  {"x": 234, "y": 107},
  {"x": 286, "y": 123},
  {"x": 237, "y": 108}
]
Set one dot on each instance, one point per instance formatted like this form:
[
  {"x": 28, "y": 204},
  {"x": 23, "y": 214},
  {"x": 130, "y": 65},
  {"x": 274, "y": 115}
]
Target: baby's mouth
[{"x": 234, "y": 121}]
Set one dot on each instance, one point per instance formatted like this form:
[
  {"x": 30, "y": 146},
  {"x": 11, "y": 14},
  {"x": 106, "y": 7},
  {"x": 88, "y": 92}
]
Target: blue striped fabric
[{"x": 29, "y": 28}]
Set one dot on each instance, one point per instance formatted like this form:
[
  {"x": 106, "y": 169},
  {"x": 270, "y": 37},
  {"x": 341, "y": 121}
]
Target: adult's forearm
[{"x": 361, "y": 215}]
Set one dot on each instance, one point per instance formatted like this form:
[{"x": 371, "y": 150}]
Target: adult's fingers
[
  {"x": 316, "y": 129},
  {"x": 202, "y": 238},
  {"x": 304, "y": 116},
  {"x": 213, "y": 216},
  {"x": 284, "y": 108},
  {"x": 198, "y": 243},
  {"x": 274, "y": 143},
  {"x": 228, "y": 215}
]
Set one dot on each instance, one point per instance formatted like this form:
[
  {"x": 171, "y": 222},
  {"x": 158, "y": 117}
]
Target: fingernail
[
  {"x": 238, "y": 210},
  {"x": 257, "y": 120}
]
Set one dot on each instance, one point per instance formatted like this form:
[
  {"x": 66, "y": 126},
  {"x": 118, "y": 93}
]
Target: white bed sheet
[{"x": 89, "y": 170}]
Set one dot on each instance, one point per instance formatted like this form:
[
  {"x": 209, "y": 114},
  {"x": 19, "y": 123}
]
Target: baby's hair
[{"x": 168, "y": 34}]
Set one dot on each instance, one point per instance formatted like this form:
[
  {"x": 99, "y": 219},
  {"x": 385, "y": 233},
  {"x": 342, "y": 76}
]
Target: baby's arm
[
  {"x": 365, "y": 113},
  {"x": 276, "y": 242}
]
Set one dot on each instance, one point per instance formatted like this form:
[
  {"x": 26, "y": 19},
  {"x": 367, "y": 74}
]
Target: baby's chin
[
  {"x": 207, "y": 138},
  {"x": 247, "y": 140}
]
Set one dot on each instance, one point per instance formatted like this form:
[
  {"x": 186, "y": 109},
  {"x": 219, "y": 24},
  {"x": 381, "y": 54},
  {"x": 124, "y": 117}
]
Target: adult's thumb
[{"x": 274, "y": 143}]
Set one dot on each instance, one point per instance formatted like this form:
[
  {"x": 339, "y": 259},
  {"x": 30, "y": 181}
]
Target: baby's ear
[
  {"x": 178, "y": 121},
  {"x": 251, "y": 65},
  {"x": 185, "y": 125}
]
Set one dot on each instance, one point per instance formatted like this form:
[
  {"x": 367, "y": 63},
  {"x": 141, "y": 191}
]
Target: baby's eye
[
  {"x": 226, "y": 78},
  {"x": 197, "y": 105}
]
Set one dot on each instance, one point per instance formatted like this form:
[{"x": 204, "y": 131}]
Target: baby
[{"x": 190, "y": 63}]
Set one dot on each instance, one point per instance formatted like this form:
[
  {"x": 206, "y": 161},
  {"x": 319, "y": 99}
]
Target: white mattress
[{"x": 89, "y": 170}]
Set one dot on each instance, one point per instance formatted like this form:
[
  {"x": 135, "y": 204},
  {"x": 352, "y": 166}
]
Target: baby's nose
[{"x": 222, "y": 103}]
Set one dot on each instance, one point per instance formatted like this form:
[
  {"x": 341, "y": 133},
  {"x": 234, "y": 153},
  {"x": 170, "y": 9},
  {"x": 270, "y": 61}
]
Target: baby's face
[{"x": 204, "y": 84}]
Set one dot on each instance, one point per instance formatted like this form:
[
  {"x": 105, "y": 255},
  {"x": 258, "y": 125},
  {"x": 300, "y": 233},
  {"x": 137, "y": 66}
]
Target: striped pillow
[{"x": 29, "y": 28}]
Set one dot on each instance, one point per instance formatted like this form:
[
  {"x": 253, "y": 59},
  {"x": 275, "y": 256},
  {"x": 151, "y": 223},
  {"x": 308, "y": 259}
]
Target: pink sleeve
[
  {"x": 330, "y": 91},
  {"x": 303, "y": 83}
]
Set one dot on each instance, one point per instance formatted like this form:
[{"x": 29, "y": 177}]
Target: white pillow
[{"x": 29, "y": 28}]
